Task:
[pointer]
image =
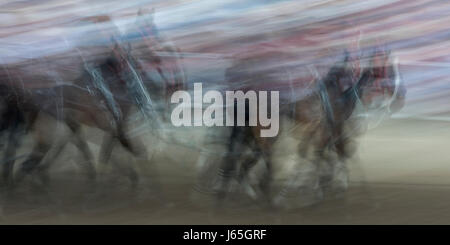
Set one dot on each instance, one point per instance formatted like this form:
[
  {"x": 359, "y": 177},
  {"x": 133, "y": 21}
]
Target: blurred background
[{"x": 399, "y": 175}]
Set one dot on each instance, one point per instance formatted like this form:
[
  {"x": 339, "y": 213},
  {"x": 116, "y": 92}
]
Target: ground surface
[{"x": 402, "y": 177}]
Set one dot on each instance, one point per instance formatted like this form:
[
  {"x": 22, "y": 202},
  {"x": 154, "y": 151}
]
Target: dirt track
[{"x": 402, "y": 177}]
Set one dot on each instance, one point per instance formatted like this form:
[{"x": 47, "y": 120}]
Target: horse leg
[
  {"x": 108, "y": 143},
  {"x": 264, "y": 147},
  {"x": 340, "y": 171},
  {"x": 14, "y": 123},
  {"x": 106, "y": 148},
  {"x": 229, "y": 163},
  {"x": 132, "y": 174},
  {"x": 138, "y": 150},
  {"x": 10, "y": 153},
  {"x": 39, "y": 151},
  {"x": 265, "y": 183},
  {"x": 11, "y": 123},
  {"x": 79, "y": 142},
  {"x": 306, "y": 180},
  {"x": 42, "y": 146},
  {"x": 206, "y": 164},
  {"x": 82, "y": 145},
  {"x": 43, "y": 168},
  {"x": 246, "y": 166}
]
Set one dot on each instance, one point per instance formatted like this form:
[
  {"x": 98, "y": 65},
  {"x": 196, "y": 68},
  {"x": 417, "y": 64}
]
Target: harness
[
  {"x": 133, "y": 82},
  {"x": 325, "y": 99},
  {"x": 140, "y": 93}
]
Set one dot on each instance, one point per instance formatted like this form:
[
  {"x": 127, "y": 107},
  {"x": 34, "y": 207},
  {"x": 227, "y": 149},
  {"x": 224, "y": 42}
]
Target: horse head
[{"x": 387, "y": 90}]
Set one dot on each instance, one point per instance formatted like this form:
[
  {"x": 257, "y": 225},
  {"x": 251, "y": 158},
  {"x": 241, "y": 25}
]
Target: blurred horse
[
  {"x": 108, "y": 82},
  {"x": 160, "y": 64},
  {"x": 320, "y": 117},
  {"x": 99, "y": 90}
]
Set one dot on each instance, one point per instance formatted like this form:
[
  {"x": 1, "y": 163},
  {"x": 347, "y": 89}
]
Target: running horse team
[{"x": 104, "y": 77}]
